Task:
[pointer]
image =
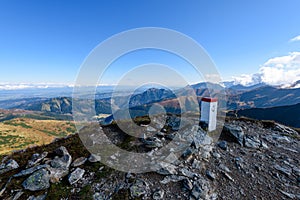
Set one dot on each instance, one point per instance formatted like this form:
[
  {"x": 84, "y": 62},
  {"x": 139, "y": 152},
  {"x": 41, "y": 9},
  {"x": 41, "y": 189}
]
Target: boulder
[
  {"x": 30, "y": 170},
  {"x": 79, "y": 161},
  {"x": 36, "y": 158},
  {"x": 62, "y": 162},
  {"x": 76, "y": 175},
  {"x": 56, "y": 174},
  {"x": 59, "y": 166},
  {"x": 200, "y": 139},
  {"x": 8, "y": 166},
  {"x": 39, "y": 180},
  {"x": 138, "y": 189},
  {"x": 233, "y": 133}
]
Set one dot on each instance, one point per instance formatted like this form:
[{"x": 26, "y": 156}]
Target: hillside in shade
[{"x": 288, "y": 115}]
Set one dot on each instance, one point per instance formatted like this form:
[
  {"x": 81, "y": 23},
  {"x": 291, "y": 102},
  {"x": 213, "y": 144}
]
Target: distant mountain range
[
  {"x": 238, "y": 97},
  {"x": 264, "y": 97},
  {"x": 240, "y": 87}
]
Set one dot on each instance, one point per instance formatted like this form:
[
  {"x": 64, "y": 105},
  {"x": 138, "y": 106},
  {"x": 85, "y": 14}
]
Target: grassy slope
[{"x": 20, "y": 133}]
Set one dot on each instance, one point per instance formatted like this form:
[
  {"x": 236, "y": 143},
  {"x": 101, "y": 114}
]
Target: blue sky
[{"x": 46, "y": 41}]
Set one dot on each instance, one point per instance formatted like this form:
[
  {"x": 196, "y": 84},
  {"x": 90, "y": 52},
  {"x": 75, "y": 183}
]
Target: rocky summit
[{"x": 250, "y": 160}]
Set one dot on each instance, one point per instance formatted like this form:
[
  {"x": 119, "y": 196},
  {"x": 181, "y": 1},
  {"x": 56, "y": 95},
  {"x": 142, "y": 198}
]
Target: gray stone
[
  {"x": 40, "y": 197},
  {"x": 285, "y": 129},
  {"x": 18, "y": 195},
  {"x": 200, "y": 189},
  {"x": 5, "y": 186},
  {"x": 59, "y": 166},
  {"x": 130, "y": 177},
  {"x": 196, "y": 164},
  {"x": 289, "y": 195},
  {"x": 56, "y": 174},
  {"x": 216, "y": 155},
  {"x": 61, "y": 151},
  {"x": 166, "y": 169},
  {"x": 79, "y": 161},
  {"x": 284, "y": 170},
  {"x": 36, "y": 158},
  {"x": 224, "y": 168},
  {"x": 196, "y": 192},
  {"x": 39, "y": 180},
  {"x": 62, "y": 162},
  {"x": 210, "y": 175},
  {"x": 76, "y": 175},
  {"x": 30, "y": 170},
  {"x": 160, "y": 134},
  {"x": 99, "y": 196},
  {"x": 187, "y": 153},
  {"x": 223, "y": 145},
  {"x": 158, "y": 194},
  {"x": 205, "y": 151},
  {"x": 172, "y": 178},
  {"x": 239, "y": 162},
  {"x": 153, "y": 142},
  {"x": 8, "y": 166},
  {"x": 172, "y": 158},
  {"x": 234, "y": 133},
  {"x": 187, "y": 173},
  {"x": 173, "y": 122},
  {"x": 264, "y": 145},
  {"x": 151, "y": 129},
  {"x": 170, "y": 136},
  {"x": 200, "y": 139},
  {"x": 228, "y": 176},
  {"x": 252, "y": 142},
  {"x": 187, "y": 184},
  {"x": 138, "y": 189},
  {"x": 94, "y": 158},
  {"x": 281, "y": 138}
]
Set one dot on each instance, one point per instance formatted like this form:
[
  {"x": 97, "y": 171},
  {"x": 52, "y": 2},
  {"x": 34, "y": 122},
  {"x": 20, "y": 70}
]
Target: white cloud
[
  {"x": 282, "y": 70},
  {"x": 18, "y": 86},
  {"x": 244, "y": 79},
  {"x": 297, "y": 38}
]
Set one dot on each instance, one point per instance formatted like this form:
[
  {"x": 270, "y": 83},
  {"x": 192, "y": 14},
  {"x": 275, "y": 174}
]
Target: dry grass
[{"x": 20, "y": 133}]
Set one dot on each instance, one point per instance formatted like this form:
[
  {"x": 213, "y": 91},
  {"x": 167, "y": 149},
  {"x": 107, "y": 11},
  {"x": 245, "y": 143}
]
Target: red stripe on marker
[{"x": 208, "y": 99}]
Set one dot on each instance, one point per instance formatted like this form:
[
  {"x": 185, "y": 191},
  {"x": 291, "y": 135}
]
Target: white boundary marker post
[{"x": 209, "y": 108}]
